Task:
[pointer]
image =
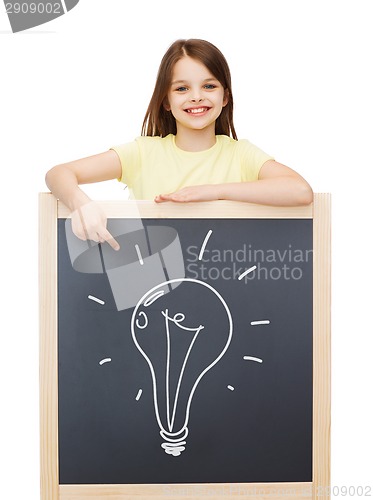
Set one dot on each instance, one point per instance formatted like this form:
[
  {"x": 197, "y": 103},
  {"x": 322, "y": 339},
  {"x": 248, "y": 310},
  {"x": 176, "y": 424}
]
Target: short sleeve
[
  {"x": 129, "y": 156},
  {"x": 252, "y": 159}
]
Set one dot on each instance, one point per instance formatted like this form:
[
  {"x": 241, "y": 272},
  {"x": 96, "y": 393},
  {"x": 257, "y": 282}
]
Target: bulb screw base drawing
[
  {"x": 173, "y": 446},
  {"x": 174, "y": 449}
]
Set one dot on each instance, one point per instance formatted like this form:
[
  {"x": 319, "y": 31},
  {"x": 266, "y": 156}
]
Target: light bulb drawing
[{"x": 180, "y": 343}]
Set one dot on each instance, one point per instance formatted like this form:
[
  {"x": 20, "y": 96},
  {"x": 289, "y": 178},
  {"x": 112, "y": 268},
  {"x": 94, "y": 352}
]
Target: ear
[
  {"x": 166, "y": 104},
  {"x": 226, "y": 97}
]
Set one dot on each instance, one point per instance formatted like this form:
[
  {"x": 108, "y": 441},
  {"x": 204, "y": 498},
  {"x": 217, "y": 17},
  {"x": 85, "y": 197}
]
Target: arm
[
  {"x": 88, "y": 219},
  {"x": 277, "y": 185}
]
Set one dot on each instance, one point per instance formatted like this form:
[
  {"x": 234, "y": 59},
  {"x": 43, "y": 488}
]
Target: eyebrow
[{"x": 186, "y": 81}]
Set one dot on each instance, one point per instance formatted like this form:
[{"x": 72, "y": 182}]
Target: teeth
[{"x": 196, "y": 110}]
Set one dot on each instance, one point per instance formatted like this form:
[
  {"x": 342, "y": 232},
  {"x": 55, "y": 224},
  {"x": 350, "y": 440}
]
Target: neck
[{"x": 195, "y": 140}]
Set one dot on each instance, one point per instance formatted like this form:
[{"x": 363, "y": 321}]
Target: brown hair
[{"x": 160, "y": 122}]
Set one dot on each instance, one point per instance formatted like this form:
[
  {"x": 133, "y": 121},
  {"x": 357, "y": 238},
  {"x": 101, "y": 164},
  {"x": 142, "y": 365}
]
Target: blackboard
[
  {"x": 251, "y": 414},
  {"x": 256, "y": 280}
]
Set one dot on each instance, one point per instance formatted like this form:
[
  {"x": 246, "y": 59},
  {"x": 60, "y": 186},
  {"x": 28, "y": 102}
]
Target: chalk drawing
[
  {"x": 175, "y": 440},
  {"x": 204, "y": 244},
  {"x": 106, "y": 360},
  {"x": 95, "y": 299},
  {"x": 246, "y": 272},
  {"x": 252, "y": 358},
  {"x": 139, "y": 255}
]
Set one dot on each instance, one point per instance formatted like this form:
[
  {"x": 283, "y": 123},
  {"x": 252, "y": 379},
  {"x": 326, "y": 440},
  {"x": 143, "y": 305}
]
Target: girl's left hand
[{"x": 207, "y": 192}]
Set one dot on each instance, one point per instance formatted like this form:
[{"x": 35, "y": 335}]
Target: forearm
[
  {"x": 64, "y": 185},
  {"x": 279, "y": 191}
]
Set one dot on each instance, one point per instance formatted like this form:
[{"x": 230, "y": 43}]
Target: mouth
[{"x": 197, "y": 111}]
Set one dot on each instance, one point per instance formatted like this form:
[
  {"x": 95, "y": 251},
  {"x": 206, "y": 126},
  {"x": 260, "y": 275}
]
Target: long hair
[{"x": 160, "y": 122}]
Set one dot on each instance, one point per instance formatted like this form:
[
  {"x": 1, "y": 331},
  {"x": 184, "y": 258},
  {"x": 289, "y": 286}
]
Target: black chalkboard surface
[{"x": 250, "y": 415}]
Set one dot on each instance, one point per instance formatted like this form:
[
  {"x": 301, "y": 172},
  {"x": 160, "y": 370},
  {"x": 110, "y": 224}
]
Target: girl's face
[{"x": 195, "y": 98}]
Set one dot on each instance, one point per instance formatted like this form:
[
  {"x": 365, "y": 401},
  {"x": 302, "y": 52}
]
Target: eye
[
  {"x": 181, "y": 89},
  {"x": 210, "y": 86}
]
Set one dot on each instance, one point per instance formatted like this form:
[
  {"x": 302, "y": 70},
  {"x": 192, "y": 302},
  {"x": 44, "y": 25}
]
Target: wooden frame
[{"x": 319, "y": 211}]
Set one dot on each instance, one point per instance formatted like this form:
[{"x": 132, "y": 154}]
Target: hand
[
  {"x": 206, "y": 192},
  {"x": 89, "y": 223}
]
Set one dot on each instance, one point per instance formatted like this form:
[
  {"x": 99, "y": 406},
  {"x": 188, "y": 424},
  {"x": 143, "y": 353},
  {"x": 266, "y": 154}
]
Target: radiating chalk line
[
  {"x": 139, "y": 254},
  {"x": 260, "y": 322},
  {"x": 64, "y": 6},
  {"x": 99, "y": 301},
  {"x": 139, "y": 395},
  {"x": 230, "y": 387},
  {"x": 246, "y": 272},
  {"x": 204, "y": 244},
  {"x": 252, "y": 358},
  {"x": 106, "y": 360}
]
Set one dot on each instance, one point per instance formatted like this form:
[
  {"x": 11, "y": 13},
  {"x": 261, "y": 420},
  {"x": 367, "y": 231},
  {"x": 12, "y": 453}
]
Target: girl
[{"x": 188, "y": 150}]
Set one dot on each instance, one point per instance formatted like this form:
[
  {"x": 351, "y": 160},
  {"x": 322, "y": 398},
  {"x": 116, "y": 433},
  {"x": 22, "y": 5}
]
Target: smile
[{"x": 197, "y": 111}]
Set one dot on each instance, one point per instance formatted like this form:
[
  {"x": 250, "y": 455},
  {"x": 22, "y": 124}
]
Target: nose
[{"x": 196, "y": 97}]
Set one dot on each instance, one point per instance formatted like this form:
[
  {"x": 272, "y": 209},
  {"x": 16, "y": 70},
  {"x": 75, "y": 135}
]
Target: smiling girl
[{"x": 188, "y": 150}]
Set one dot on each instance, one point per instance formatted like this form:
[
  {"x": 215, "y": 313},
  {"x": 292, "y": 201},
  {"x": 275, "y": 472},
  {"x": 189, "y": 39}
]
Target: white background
[{"x": 302, "y": 83}]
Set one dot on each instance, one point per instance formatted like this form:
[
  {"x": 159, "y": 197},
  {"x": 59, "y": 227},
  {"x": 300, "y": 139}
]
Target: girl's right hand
[
  {"x": 89, "y": 223},
  {"x": 88, "y": 219}
]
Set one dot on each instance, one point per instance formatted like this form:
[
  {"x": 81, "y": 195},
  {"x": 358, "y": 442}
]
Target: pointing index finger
[{"x": 110, "y": 240}]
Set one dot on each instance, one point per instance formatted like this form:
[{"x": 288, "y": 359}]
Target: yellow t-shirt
[{"x": 155, "y": 165}]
